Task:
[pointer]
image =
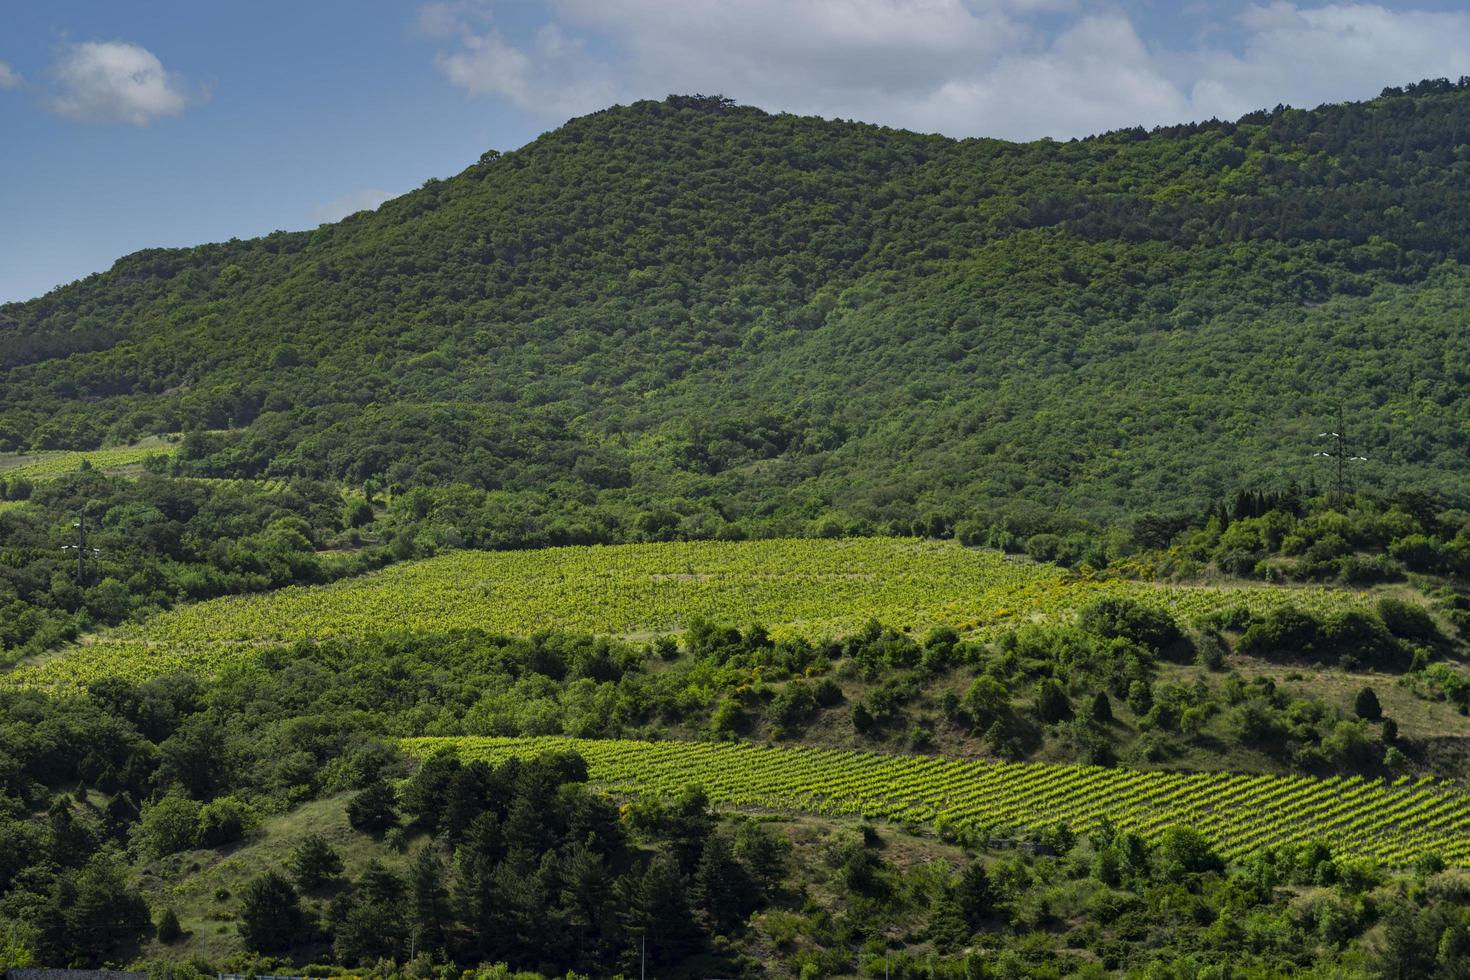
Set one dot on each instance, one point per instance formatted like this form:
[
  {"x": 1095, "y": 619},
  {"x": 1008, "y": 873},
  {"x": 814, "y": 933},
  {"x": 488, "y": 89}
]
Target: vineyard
[
  {"x": 1391, "y": 823},
  {"x": 49, "y": 465},
  {"x": 796, "y": 588}
]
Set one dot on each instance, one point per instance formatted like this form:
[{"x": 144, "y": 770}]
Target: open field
[
  {"x": 50, "y": 465},
  {"x": 796, "y": 588},
  {"x": 1393, "y": 824}
]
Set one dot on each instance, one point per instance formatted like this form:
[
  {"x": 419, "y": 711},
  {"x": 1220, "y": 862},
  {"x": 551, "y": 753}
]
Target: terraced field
[
  {"x": 1391, "y": 823},
  {"x": 802, "y": 588}
]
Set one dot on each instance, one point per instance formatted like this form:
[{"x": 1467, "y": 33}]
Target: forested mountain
[{"x": 693, "y": 318}]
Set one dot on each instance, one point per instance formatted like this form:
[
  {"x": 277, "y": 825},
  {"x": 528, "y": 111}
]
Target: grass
[{"x": 203, "y": 886}]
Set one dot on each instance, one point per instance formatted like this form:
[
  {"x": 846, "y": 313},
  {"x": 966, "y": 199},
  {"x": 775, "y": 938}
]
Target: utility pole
[
  {"x": 1341, "y": 453},
  {"x": 81, "y": 547}
]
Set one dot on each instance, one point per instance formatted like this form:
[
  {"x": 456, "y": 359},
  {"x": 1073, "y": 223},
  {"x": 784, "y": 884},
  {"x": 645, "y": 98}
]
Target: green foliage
[
  {"x": 168, "y": 826},
  {"x": 1131, "y": 619},
  {"x": 805, "y": 590},
  {"x": 271, "y": 917},
  {"x": 1366, "y": 706},
  {"x": 966, "y": 320},
  {"x": 373, "y": 809},
  {"x": 168, "y": 929},
  {"x": 1228, "y": 815},
  {"x": 314, "y": 863}
]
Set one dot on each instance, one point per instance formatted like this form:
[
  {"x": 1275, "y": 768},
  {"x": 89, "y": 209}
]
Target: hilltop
[{"x": 686, "y": 317}]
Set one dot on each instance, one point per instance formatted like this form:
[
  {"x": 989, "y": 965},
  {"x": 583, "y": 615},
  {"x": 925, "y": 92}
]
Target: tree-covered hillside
[{"x": 700, "y": 318}]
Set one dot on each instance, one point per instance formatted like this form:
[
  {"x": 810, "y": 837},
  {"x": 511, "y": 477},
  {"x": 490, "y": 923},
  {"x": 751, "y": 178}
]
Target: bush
[
  {"x": 1407, "y": 620},
  {"x": 1184, "y": 850},
  {"x": 986, "y": 702},
  {"x": 1284, "y": 632},
  {"x": 1366, "y": 705},
  {"x": 1132, "y": 620},
  {"x": 168, "y": 826},
  {"x": 1361, "y": 636},
  {"x": 357, "y": 513},
  {"x": 225, "y": 821},
  {"x": 1052, "y": 704}
]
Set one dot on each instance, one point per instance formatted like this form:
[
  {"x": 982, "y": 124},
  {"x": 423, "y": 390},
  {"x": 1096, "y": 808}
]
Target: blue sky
[{"x": 156, "y": 122}]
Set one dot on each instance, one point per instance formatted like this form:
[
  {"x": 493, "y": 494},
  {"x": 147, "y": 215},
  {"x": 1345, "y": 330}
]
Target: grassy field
[
  {"x": 1391, "y": 823},
  {"x": 203, "y": 886},
  {"x": 798, "y": 588},
  {"x": 49, "y": 465}
]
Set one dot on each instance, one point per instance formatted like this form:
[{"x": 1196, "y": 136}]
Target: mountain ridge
[{"x": 690, "y": 306}]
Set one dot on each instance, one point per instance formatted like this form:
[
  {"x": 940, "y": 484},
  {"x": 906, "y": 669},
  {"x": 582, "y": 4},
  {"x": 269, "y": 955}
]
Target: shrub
[
  {"x": 1052, "y": 704},
  {"x": 1366, "y": 705},
  {"x": 168, "y": 826},
  {"x": 225, "y": 821},
  {"x": 1132, "y": 620},
  {"x": 1284, "y": 632},
  {"x": 1407, "y": 620},
  {"x": 1361, "y": 636},
  {"x": 1184, "y": 850}
]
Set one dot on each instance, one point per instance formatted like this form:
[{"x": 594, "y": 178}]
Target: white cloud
[
  {"x": 555, "y": 76},
  {"x": 9, "y": 77},
  {"x": 115, "y": 81},
  {"x": 1017, "y": 69},
  {"x": 446, "y": 18},
  {"x": 363, "y": 200},
  {"x": 1094, "y": 76},
  {"x": 1306, "y": 56},
  {"x": 832, "y": 56}
]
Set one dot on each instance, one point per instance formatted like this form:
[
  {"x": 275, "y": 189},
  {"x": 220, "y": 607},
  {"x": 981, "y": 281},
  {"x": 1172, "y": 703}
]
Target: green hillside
[
  {"x": 692, "y": 316},
  {"x": 706, "y": 543}
]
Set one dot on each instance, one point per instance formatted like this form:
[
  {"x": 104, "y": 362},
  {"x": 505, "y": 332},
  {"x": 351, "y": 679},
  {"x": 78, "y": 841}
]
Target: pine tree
[
  {"x": 723, "y": 886},
  {"x": 431, "y": 913},
  {"x": 271, "y": 918},
  {"x": 314, "y": 863},
  {"x": 657, "y": 907},
  {"x": 974, "y": 895}
]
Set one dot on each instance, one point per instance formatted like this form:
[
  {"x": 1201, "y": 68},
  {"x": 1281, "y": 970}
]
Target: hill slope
[{"x": 664, "y": 305}]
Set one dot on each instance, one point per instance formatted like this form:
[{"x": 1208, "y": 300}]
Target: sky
[{"x": 175, "y": 122}]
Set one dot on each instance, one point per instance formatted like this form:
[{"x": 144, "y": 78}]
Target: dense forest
[{"x": 721, "y": 321}]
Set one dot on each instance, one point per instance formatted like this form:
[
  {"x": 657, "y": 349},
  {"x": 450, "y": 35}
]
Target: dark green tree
[
  {"x": 1366, "y": 705},
  {"x": 1052, "y": 703},
  {"x": 314, "y": 863},
  {"x": 373, "y": 809},
  {"x": 723, "y": 886},
  {"x": 974, "y": 895},
  {"x": 271, "y": 917}
]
